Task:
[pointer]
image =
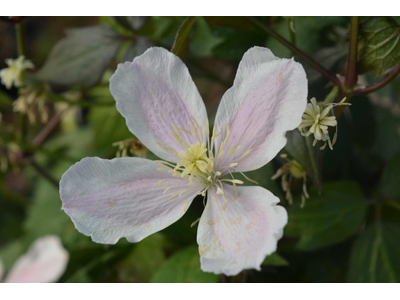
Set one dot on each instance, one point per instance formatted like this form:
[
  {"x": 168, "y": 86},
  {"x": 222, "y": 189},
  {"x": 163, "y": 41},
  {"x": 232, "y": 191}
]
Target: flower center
[{"x": 197, "y": 160}]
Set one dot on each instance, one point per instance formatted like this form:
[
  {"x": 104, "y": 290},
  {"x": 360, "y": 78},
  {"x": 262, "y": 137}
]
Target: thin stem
[
  {"x": 311, "y": 154},
  {"x": 379, "y": 84},
  {"x": 41, "y": 171},
  {"x": 298, "y": 52},
  {"x": 42, "y": 136},
  {"x": 351, "y": 74},
  {"x": 20, "y": 40},
  {"x": 292, "y": 32}
]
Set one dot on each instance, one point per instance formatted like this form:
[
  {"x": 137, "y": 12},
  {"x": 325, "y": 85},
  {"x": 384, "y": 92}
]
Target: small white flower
[
  {"x": 45, "y": 261},
  {"x": 134, "y": 197},
  {"x": 319, "y": 116},
  {"x": 13, "y": 74}
]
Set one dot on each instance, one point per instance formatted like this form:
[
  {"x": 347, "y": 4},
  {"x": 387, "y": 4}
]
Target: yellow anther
[
  {"x": 161, "y": 181},
  {"x": 246, "y": 153},
  {"x": 193, "y": 130},
  {"x": 168, "y": 188},
  {"x": 164, "y": 169},
  {"x": 219, "y": 191},
  {"x": 187, "y": 131},
  {"x": 173, "y": 196},
  {"x": 199, "y": 127},
  {"x": 195, "y": 222},
  {"x": 182, "y": 192},
  {"x": 233, "y": 165}
]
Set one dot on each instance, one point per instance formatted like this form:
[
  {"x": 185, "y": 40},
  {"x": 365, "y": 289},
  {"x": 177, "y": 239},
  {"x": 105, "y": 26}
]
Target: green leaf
[
  {"x": 181, "y": 43},
  {"x": 81, "y": 57},
  {"x": 145, "y": 259},
  {"x": 300, "y": 148},
  {"x": 390, "y": 186},
  {"x": 276, "y": 260},
  {"x": 328, "y": 218},
  {"x": 183, "y": 267},
  {"x": 379, "y": 47},
  {"x": 109, "y": 126},
  {"x": 386, "y": 138},
  {"x": 375, "y": 254},
  {"x": 203, "y": 39}
]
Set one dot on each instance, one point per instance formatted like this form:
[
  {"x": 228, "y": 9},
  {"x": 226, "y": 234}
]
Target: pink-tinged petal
[
  {"x": 239, "y": 234},
  {"x": 1, "y": 270},
  {"x": 123, "y": 197},
  {"x": 45, "y": 261},
  {"x": 268, "y": 98},
  {"x": 153, "y": 92}
]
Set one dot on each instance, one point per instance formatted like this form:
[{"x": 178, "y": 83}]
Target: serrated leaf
[
  {"x": 379, "y": 45},
  {"x": 329, "y": 218},
  {"x": 181, "y": 43},
  {"x": 183, "y": 267},
  {"x": 390, "y": 185},
  {"x": 81, "y": 57},
  {"x": 375, "y": 254},
  {"x": 275, "y": 260}
]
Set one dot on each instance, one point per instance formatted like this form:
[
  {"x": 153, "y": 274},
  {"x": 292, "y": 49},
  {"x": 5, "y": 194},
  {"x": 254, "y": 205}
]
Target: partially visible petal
[
  {"x": 111, "y": 199},
  {"x": 45, "y": 261},
  {"x": 1, "y": 270},
  {"x": 239, "y": 234},
  {"x": 153, "y": 92},
  {"x": 268, "y": 98}
]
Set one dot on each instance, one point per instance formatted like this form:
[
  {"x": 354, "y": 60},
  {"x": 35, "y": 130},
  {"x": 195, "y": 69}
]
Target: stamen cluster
[
  {"x": 319, "y": 116},
  {"x": 198, "y": 161}
]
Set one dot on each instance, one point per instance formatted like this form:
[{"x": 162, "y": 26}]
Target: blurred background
[{"x": 347, "y": 231}]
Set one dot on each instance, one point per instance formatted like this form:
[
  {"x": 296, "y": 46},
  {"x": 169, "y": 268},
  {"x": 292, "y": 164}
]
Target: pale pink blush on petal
[
  {"x": 268, "y": 98},
  {"x": 45, "y": 261},
  {"x": 153, "y": 92},
  {"x": 1, "y": 270},
  {"x": 111, "y": 199},
  {"x": 240, "y": 233}
]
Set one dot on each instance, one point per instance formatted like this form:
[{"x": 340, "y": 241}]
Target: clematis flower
[
  {"x": 134, "y": 197},
  {"x": 45, "y": 261},
  {"x": 319, "y": 116},
  {"x": 13, "y": 74}
]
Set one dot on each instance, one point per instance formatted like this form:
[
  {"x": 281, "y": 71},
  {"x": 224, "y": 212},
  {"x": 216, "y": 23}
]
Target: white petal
[
  {"x": 239, "y": 234},
  {"x": 268, "y": 98},
  {"x": 153, "y": 92},
  {"x": 45, "y": 261},
  {"x": 111, "y": 199}
]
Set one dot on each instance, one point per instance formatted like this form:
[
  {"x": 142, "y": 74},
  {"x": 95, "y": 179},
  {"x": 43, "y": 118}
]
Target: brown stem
[
  {"x": 42, "y": 136},
  {"x": 379, "y": 84},
  {"x": 351, "y": 74}
]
